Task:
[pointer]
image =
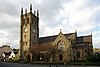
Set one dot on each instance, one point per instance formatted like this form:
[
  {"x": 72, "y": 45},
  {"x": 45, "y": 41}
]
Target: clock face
[{"x": 25, "y": 29}]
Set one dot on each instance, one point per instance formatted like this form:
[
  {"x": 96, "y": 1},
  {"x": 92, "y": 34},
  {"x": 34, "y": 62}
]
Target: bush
[{"x": 94, "y": 58}]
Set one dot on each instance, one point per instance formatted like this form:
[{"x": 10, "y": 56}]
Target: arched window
[
  {"x": 27, "y": 19},
  {"x": 78, "y": 54},
  {"x": 60, "y": 57},
  {"x": 60, "y": 46}
]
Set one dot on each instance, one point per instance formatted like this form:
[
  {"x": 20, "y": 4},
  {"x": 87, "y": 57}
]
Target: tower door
[
  {"x": 60, "y": 57},
  {"x": 28, "y": 57}
]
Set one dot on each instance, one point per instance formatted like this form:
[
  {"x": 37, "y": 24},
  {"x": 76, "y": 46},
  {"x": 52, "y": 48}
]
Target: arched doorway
[
  {"x": 60, "y": 57},
  {"x": 28, "y": 57}
]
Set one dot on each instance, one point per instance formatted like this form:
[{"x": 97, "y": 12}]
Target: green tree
[{"x": 94, "y": 58}]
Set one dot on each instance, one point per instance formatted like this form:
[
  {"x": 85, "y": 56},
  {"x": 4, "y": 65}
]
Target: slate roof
[
  {"x": 51, "y": 38},
  {"x": 83, "y": 39},
  {"x": 47, "y": 39}
]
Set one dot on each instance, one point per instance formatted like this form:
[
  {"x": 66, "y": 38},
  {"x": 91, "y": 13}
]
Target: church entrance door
[
  {"x": 60, "y": 57},
  {"x": 28, "y": 57}
]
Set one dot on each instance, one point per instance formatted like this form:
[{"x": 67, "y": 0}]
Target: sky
[{"x": 68, "y": 15}]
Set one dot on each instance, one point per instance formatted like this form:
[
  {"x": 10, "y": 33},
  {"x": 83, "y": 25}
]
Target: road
[{"x": 5, "y": 64}]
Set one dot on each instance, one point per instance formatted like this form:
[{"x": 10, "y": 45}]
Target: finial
[
  {"x": 91, "y": 33},
  {"x": 34, "y": 12},
  {"x": 21, "y": 10},
  {"x": 37, "y": 13},
  {"x": 75, "y": 30},
  {"x": 25, "y": 11},
  {"x": 60, "y": 30},
  {"x": 30, "y": 7}
]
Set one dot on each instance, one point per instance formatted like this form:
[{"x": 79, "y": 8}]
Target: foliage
[
  {"x": 17, "y": 57},
  {"x": 94, "y": 58},
  {"x": 42, "y": 52}
]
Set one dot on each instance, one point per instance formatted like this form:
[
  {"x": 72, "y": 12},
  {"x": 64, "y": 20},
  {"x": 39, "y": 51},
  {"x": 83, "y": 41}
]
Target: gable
[
  {"x": 62, "y": 43},
  {"x": 61, "y": 38}
]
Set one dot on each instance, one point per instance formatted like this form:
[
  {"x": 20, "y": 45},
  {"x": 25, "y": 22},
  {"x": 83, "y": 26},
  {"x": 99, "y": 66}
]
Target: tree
[
  {"x": 42, "y": 52},
  {"x": 94, "y": 58}
]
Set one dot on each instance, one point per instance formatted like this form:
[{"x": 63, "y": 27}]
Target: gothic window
[
  {"x": 78, "y": 54},
  {"x": 34, "y": 37},
  {"x": 60, "y": 46},
  {"x": 60, "y": 57},
  {"x": 85, "y": 51},
  {"x": 26, "y": 42},
  {"x": 27, "y": 19},
  {"x": 25, "y": 36},
  {"x": 33, "y": 21},
  {"x": 23, "y": 21}
]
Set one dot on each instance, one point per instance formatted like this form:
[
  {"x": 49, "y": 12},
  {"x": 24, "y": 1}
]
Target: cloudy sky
[{"x": 68, "y": 15}]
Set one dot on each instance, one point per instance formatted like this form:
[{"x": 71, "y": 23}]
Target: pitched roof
[
  {"x": 47, "y": 39},
  {"x": 84, "y": 39},
  {"x": 51, "y": 38}
]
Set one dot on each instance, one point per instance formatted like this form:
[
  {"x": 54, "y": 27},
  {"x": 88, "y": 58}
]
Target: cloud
[{"x": 67, "y": 15}]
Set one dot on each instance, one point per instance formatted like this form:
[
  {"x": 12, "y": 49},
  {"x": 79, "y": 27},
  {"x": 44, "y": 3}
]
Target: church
[{"x": 63, "y": 47}]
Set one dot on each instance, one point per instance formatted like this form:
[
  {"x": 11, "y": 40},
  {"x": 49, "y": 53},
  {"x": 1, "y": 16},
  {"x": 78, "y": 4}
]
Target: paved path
[{"x": 5, "y": 64}]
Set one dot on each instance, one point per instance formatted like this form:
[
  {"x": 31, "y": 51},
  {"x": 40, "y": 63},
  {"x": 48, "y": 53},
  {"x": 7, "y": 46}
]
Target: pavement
[{"x": 5, "y": 64}]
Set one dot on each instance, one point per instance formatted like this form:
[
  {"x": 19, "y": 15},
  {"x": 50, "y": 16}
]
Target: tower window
[
  {"x": 26, "y": 42},
  {"x": 23, "y": 21},
  {"x": 34, "y": 37},
  {"x": 24, "y": 36},
  {"x": 27, "y": 20}
]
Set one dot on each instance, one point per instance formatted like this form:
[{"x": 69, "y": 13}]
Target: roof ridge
[
  {"x": 56, "y": 35},
  {"x": 84, "y": 36},
  {"x": 48, "y": 36}
]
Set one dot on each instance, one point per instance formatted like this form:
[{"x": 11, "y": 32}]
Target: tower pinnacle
[
  {"x": 37, "y": 13},
  {"x": 34, "y": 12},
  {"x": 30, "y": 7},
  {"x": 21, "y": 10},
  {"x": 60, "y": 30},
  {"x": 25, "y": 11}
]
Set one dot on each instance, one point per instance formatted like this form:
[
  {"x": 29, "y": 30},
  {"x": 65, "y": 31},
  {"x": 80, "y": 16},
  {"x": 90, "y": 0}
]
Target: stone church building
[{"x": 62, "y": 47}]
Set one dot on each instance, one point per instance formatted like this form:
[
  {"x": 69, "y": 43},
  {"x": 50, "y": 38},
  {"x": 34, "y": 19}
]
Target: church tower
[{"x": 29, "y": 31}]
